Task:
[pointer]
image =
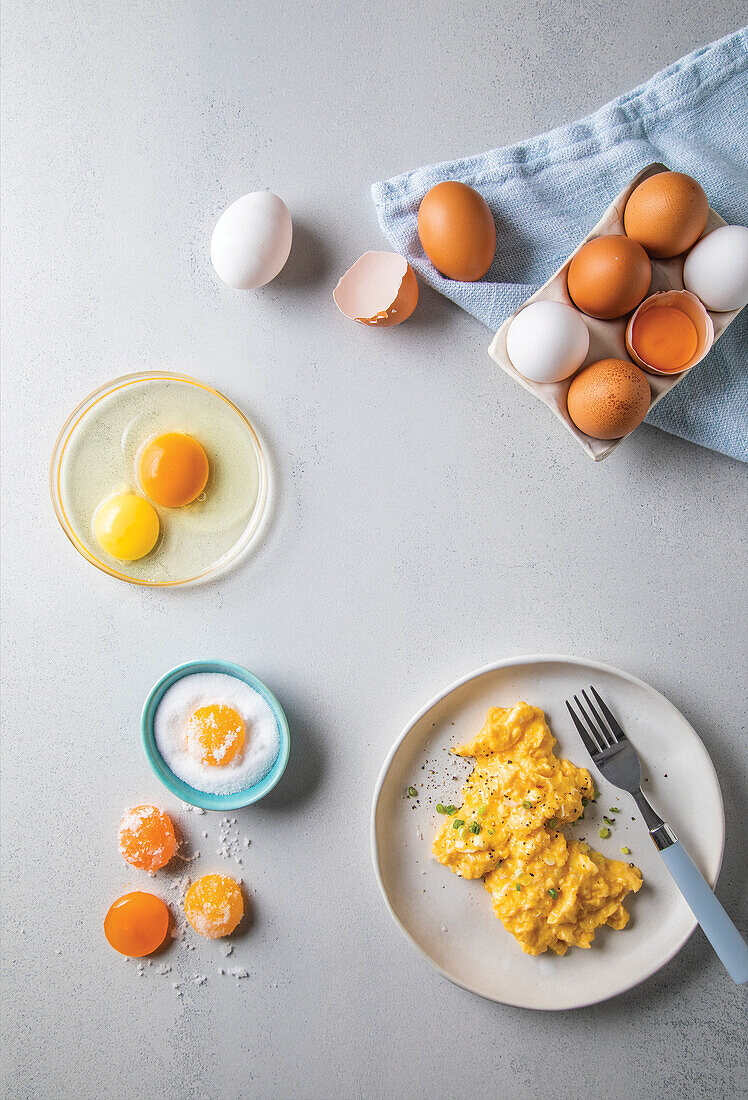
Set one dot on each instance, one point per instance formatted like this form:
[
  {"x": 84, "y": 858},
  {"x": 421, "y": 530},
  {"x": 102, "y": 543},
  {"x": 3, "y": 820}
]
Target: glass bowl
[{"x": 110, "y": 400}]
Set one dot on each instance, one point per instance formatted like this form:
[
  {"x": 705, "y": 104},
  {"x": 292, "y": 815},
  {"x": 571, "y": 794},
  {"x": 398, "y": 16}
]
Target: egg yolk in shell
[
  {"x": 137, "y": 924},
  {"x": 214, "y": 905},
  {"x": 126, "y": 526},
  {"x": 215, "y": 734},
  {"x": 172, "y": 469},
  {"x": 146, "y": 838}
]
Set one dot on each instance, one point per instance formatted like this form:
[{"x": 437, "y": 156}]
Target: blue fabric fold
[{"x": 546, "y": 193}]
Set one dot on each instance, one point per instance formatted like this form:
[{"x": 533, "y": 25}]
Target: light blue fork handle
[{"x": 718, "y": 928}]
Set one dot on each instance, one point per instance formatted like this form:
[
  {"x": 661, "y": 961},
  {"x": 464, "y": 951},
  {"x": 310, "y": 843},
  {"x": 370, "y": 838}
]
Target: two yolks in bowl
[{"x": 171, "y": 470}]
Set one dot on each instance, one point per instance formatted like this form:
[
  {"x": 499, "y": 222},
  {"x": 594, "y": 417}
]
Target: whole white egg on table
[{"x": 252, "y": 240}]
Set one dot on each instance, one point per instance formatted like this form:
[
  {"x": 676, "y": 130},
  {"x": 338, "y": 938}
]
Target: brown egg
[
  {"x": 666, "y": 214},
  {"x": 457, "y": 231},
  {"x": 608, "y": 399},
  {"x": 609, "y": 276}
]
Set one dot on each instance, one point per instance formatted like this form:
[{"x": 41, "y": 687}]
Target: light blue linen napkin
[{"x": 547, "y": 193}]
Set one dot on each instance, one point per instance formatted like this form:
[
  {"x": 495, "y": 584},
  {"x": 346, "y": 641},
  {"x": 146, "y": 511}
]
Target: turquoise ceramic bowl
[{"x": 177, "y": 786}]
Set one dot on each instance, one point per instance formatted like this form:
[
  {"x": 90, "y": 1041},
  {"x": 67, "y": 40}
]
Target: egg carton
[{"x": 607, "y": 338}]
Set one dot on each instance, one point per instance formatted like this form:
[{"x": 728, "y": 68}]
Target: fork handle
[{"x": 717, "y": 926}]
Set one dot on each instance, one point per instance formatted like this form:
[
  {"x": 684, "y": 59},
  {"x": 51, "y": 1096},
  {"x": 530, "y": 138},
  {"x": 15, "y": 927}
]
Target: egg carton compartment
[{"x": 607, "y": 338}]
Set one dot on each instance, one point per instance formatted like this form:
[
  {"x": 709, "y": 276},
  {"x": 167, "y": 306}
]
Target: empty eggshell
[
  {"x": 251, "y": 240},
  {"x": 380, "y": 289}
]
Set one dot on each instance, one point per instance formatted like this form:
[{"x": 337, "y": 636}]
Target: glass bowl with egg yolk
[{"x": 159, "y": 480}]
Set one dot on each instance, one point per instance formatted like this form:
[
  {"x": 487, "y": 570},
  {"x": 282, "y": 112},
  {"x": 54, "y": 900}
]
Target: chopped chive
[
  {"x": 527, "y": 805},
  {"x": 450, "y": 810},
  {"x": 608, "y": 820},
  {"x": 614, "y": 810},
  {"x": 491, "y": 832},
  {"x": 552, "y": 822},
  {"x": 604, "y": 833},
  {"x": 412, "y": 792},
  {"x": 440, "y": 809},
  {"x": 553, "y": 893},
  {"x": 474, "y": 827},
  {"x": 584, "y": 801},
  {"x": 483, "y": 810},
  {"x": 457, "y": 823},
  {"x": 517, "y": 887},
  {"x": 625, "y": 851}
]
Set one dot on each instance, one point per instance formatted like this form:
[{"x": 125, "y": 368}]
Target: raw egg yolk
[
  {"x": 137, "y": 924},
  {"x": 172, "y": 469},
  {"x": 214, "y": 905},
  {"x": 665, "y": 338},
  {"x": 126, "y": 526},
  {"x": 146, "y": 838},
  {"x": 215, "y": 734}
]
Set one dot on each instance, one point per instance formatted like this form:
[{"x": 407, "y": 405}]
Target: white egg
[
  {"x": 716, "y": 269},
  {"x": 251, "y": 240},
  {"x": 547, "y": 341}
]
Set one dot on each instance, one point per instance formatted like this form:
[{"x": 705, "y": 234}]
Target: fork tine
[
  {"x": 598, "y": 734},
  {"x": 618, "y": 732},
  {"x": 609, "y": 738},
  {"x": 590, "y": 745}
]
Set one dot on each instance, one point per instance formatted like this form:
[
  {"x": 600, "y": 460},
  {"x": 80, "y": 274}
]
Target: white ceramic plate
[{"x": 451, "y": 921}]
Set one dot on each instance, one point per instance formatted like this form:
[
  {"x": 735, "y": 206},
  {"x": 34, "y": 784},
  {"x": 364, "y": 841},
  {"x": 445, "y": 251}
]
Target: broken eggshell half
[
  {"x": 380, "y": 289},
  {"x": 689, "y": 304}
]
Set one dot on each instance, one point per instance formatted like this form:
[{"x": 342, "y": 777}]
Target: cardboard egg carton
[{"x": 607, "y": 338}]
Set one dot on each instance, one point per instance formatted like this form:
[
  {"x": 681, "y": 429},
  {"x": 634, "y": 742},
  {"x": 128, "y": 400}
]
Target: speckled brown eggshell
[{"x": 608, "y": 399}]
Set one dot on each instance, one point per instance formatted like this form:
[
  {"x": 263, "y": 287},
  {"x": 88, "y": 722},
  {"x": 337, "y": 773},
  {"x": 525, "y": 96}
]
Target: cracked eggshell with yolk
[{"x": 380, "y": 290}]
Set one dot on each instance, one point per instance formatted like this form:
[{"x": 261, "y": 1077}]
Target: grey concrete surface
[{"x": 429, "y": 517}]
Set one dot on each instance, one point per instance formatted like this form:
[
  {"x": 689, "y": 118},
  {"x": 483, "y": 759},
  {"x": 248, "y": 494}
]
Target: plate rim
[{"x": 493, "y": 666}]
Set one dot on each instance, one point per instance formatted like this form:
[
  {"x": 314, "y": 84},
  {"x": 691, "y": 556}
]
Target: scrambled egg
[{"x": 547, "y": 891}]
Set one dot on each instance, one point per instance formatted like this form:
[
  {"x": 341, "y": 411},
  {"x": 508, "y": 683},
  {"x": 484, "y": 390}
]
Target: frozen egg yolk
[
  {"x": 146, "y": 838},
  {"x": 137, "y": 924},
  {"x": 172, "y": 469},
  {"x": 215, "y": 734},
  {"x": 126, "y": 527},
  {"x": 214, "y": 906}
]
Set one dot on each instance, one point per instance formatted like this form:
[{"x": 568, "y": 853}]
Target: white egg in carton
[{"x": 607, "y": 338}]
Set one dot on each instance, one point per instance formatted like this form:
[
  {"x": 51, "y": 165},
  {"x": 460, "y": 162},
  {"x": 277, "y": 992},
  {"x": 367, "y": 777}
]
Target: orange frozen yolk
[
  {"x": 173, "y": 469},
  {"x": 214, "y": 905},
  {"x": 215, "y": 734},
  {"x": 137, "y": 924},
  {"x": 146, "y": 838},
  {"x": 665, "y": 337}
]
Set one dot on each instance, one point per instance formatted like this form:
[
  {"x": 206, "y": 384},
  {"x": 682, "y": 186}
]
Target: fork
[{"x": 616, "y": 759}]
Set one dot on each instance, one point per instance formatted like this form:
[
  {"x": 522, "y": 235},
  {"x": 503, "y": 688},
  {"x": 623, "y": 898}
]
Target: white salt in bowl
[{"x": 178, "y": 787}]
